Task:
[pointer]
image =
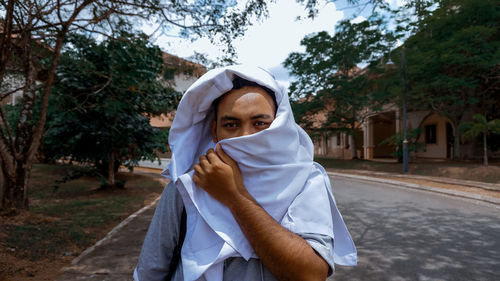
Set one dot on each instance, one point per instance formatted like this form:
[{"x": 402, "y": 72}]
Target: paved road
[{"x": 404, "y": 234}]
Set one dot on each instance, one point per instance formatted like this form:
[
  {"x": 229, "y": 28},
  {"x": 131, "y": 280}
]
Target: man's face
[{"x": 243, "y": 112}]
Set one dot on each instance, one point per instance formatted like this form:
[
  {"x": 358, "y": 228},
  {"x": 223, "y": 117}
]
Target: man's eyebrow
[
  {"x": 261, "y": 116},
  {"x": 229, "y": 118}
]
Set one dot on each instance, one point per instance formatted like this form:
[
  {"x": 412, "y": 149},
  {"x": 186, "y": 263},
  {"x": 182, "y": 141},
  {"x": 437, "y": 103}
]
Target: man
[{"x": 257, "y": 206}]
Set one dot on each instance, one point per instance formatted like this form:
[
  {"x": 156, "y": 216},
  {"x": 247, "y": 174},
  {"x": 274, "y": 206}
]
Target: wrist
[{"x": 240, "y": 200}]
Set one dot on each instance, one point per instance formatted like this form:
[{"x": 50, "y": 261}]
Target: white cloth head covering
[{"x": 278, "y": 171}]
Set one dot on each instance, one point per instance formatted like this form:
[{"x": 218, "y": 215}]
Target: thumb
[{"x": 223, "y": 156}]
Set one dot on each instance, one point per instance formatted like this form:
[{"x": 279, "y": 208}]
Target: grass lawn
[
  {"x": 451, "y": 169},
  {"x": 64, "y": 219}
]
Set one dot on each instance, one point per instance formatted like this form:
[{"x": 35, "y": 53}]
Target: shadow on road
[{"x": 406, "y": 242}]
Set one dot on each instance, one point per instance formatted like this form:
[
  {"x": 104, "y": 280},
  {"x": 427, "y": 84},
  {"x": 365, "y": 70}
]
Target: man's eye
[
  {"x": 261, "y": 123},
  {"x": 230, "y": 125}
]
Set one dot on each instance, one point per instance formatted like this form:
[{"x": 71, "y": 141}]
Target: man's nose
[{"x": 247, "y": 130}]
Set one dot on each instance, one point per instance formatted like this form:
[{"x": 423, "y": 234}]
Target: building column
[
  {"x": 368, "y": 138},
  {"x": 323, "y": 144},
  {"x": 342, "y": 144},
  {"x": 398, "y": 122},
  {"x": 365, "y": 137}
]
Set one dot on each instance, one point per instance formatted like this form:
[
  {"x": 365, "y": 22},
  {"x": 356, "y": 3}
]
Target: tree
[
  {"x": 481, "y": 126},
  {"x": 32, "y": 35},
  {"x": 328, "y": 78},
  {"x": 202, "y": 58},
  {"x": 452, "y": 55},
  {"x": 396, "y": 141},
  {"x": 99, "y": 105},
  {"x": 453, "y": 60}
]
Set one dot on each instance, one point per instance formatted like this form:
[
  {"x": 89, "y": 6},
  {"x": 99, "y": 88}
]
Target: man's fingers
[
  {"x": 196, "y": 179},
  {"x": 197, "y": 169},
  {"x": 198, "y": 175},
  {"x": 223, "y": 156},
  {"x": 212, "y": 157},
  {"x": 204, "y": 162}
]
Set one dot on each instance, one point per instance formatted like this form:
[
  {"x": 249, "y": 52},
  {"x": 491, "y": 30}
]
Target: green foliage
[
  {"x": 45, "y": 240},
  {"x": 481, "y": 126},
  {"x": 328, "y": 80},
  {"x": 453, "y": 60},
  {"x": 39, "y": 28},
  {"x": 396, "y": 141},
  {"x": 12, "y": 116},
  {"x": 202, "y": 59},
  {"x": 102, "y": 101},
  {"x": 330, "y": 59}
]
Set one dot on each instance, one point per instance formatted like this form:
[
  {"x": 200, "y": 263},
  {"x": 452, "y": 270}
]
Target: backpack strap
[{"x": 176, "y": 257}]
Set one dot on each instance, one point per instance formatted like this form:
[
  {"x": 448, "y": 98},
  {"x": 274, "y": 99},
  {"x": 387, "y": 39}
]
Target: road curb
[
  {"x": 455, "y": 193},
  {"x": 110, "y": 234},
  {"x": 483, "y": 185}
]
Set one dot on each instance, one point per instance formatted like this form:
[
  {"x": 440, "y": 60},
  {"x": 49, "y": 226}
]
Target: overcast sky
[{"x": 268, "y": 43}]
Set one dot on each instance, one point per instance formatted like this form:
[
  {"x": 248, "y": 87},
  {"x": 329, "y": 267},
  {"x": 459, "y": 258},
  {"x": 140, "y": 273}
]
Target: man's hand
[
  {"x": 285, "y": 254},
  {"x": 219, "y": 176}
]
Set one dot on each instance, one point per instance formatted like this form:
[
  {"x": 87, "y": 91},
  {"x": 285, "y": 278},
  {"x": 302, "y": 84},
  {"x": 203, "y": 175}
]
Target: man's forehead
[{"x": 246, "y": 91}]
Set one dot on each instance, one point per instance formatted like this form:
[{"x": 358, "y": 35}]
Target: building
[
  {"x": 179, "y": 74},
  {"x": 13, "y": 78},
  {"x": 436, "y": 137}
]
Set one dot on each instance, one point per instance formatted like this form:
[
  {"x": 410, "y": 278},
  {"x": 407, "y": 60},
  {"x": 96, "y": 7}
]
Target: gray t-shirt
[{"x": 163, "y": 234}]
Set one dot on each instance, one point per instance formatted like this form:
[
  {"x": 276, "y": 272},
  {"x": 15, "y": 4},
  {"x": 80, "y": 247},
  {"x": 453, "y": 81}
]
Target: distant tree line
[
  {"x": 452, "y": 51},
  {"x": 33, "y": 35}
]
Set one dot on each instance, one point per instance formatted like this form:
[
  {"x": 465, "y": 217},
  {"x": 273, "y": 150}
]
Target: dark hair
[{"x": 239, "y": 83}]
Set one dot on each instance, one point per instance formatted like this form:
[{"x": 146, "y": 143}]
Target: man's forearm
[{"x": 285, "y": 254}]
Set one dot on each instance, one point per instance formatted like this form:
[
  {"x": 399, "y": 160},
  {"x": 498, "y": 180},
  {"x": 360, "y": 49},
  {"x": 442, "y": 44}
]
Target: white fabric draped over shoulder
[{"x": 278, "y": 171}]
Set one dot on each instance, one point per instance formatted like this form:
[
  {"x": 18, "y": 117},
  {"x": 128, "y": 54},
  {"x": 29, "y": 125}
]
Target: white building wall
[
  {"x": 437, "y": 150},
  {"x": 10, "y": 83},
  {"x": 183, "y": 82},
  {"x": 414, "y": 119}
]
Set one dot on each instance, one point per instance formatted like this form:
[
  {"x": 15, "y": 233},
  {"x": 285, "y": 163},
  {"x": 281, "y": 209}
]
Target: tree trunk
[
  {"x": 485, "y": 148},
  {"x": 111, "y": 169},
  {"x": 353, "y": 136},
  {"x": 456, "y": 145},
  {"x": 15, "y": 188},
  {"x": 354, "y": 148},
  {"x": 18, "y": 153}
]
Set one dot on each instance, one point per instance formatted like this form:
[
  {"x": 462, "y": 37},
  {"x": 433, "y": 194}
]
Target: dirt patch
[
  {"x": 64, "y": 221},
  {"x": 13, "y": 268},
  {"x": 480, "y": 173},
  {"x": 448, "y": 169}
]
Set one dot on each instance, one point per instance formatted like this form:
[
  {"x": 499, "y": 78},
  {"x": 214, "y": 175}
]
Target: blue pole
[{"x": 405, "y": 140}]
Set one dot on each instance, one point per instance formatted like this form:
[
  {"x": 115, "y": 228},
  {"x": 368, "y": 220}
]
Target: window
[
  {"x": 338, "y": 139},
  {"x": 169, "y": 74},
  {"x": 430, "y": 134}
]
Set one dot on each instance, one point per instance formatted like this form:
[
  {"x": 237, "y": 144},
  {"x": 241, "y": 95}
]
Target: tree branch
[
  {"x": 5, "y": 95},
  {"x": 6, "y": 40},
  {"x": 38, "y": 131},
  {"x": 10, "y": 139}
]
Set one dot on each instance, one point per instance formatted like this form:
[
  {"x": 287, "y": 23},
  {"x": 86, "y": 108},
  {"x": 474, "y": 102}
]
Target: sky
[{"x": 269, "y": 42}]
